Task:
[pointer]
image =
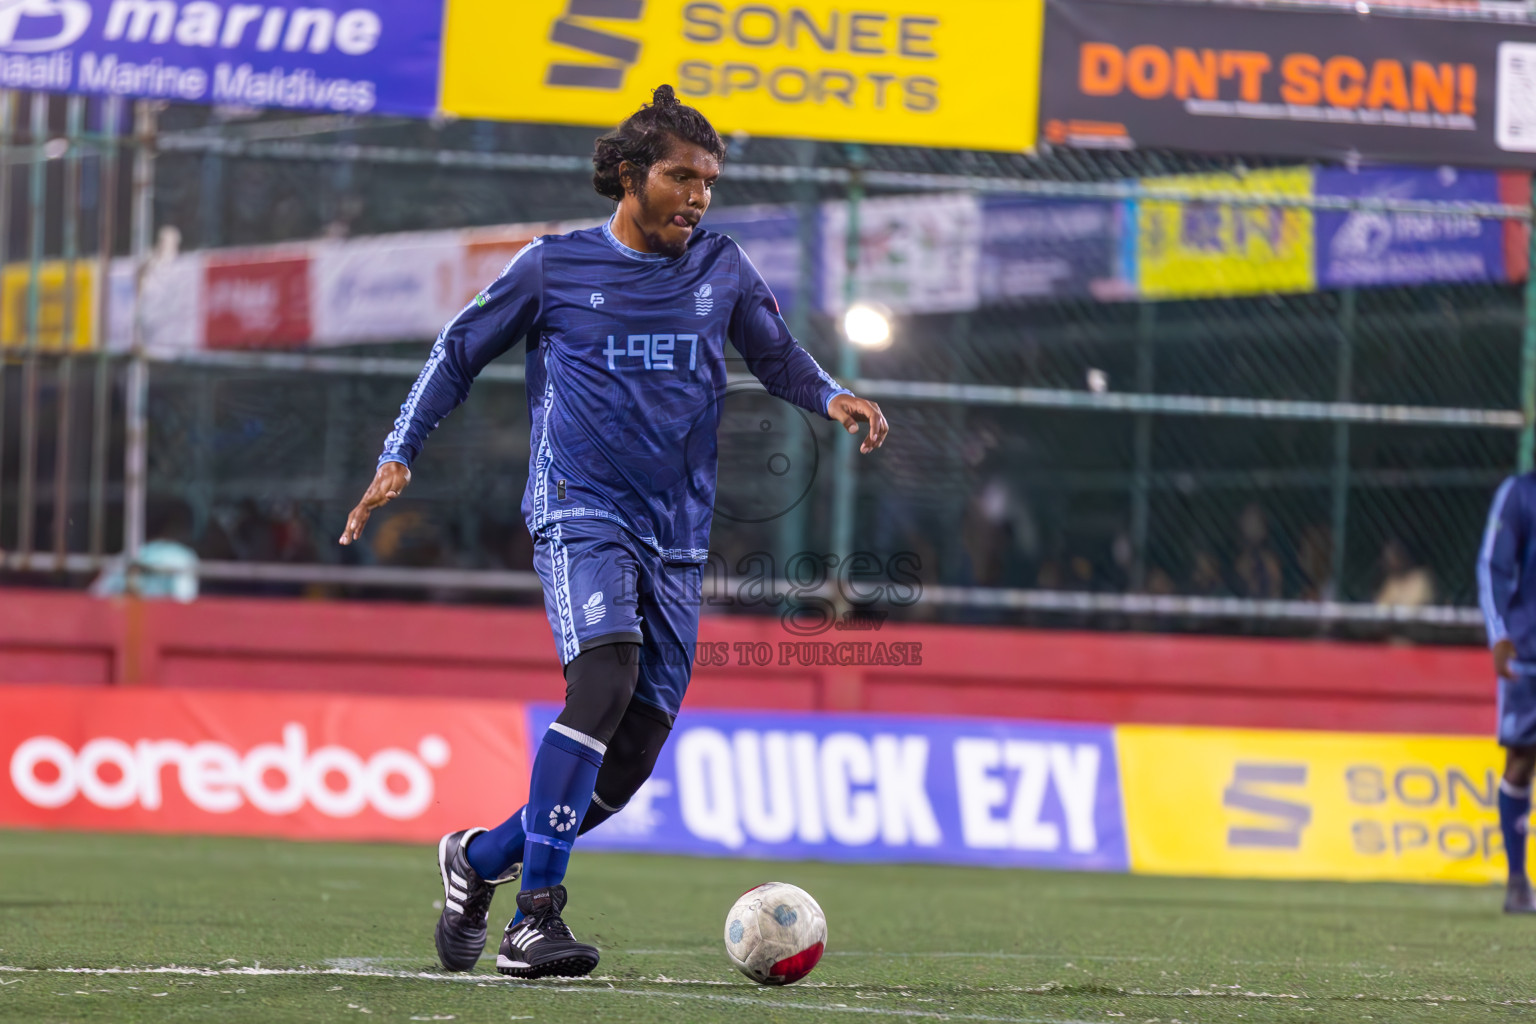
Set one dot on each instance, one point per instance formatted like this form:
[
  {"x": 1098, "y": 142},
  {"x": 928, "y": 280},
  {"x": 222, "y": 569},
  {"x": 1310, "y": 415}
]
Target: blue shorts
[
  {"x": 1517, "y": 712},
  {"x": 603, "y": 586}
]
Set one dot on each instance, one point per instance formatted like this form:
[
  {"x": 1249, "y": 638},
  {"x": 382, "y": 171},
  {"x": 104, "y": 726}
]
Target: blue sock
[
  {"x": 492, "y": 853},
  {"x": 1514, "y": 809},
  {"x": 564, "y": 772}
]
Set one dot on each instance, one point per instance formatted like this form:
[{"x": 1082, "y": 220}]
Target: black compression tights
[{"x": 599, "y": 690}]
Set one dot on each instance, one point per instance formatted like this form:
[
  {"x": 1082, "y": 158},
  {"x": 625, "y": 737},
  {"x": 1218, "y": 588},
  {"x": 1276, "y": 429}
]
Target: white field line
[
  {"x": 605, "y": 983},
  {"x": 822, "y": 1007},
  {"x": 1065, "y": 958}
]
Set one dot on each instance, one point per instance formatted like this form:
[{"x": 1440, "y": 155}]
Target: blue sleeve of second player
[
  {"x": 1498, "y": 560},
  {"x": 493, "y": 322},
  {"x": 772, "y": 354}
]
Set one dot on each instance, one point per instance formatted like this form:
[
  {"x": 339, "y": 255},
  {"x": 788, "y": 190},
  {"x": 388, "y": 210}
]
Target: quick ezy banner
[{"x": 875, "y": 788}]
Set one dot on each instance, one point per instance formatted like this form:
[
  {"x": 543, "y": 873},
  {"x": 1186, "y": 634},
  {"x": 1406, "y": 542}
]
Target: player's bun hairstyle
[{"x": 644, "y": 138}]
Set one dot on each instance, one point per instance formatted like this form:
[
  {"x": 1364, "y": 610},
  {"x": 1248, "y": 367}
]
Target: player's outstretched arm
[
  {"x": 851, "y": 410},
  {"x": 388, "y": 482}
]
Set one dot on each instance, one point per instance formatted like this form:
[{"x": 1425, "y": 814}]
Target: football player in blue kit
[
  {"x": 626, "y": 326},
  {"x": 1506, "y": 589}
]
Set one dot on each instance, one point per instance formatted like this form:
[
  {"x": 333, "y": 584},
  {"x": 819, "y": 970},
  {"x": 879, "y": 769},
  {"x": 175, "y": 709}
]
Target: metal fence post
[
  {"x": 37, "y": 205},
  {"x": 1339, "y": 484},
  {"x": 136, "y": 453},
  {"x": 101, "y": 325},
  {"x": 1528, "y": 348},
  {"x": 791, "y": 525},
  {"x": 844, "y": 485},
  {"x": 1141, "y": 475}
]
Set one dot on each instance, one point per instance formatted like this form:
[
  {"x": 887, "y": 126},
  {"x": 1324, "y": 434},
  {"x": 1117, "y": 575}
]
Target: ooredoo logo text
[{"x": 273, "y": 778}]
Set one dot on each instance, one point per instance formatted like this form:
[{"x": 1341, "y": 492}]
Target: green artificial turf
[{"x": 349, "y": 929}]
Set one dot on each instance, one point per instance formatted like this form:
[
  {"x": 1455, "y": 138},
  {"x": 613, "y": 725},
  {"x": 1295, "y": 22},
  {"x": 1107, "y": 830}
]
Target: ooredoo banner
[
  {"x": 1337, "y": 84},
  {"x": 908, "y": 72},
  {"x": 876, "y": 788},
  {"x": 291, "y": 765},
  {"x": 258, "y": 300},
  {"x": 348, "y": 56}
]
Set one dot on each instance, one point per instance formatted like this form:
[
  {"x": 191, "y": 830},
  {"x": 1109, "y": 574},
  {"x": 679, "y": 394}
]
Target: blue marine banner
[
  {"x": 1045, "y": 249},
  {"x": 770, "y": 235},
  {"x": 345, "y": 56},
  {"x": 1368, "y": 247},
  {"x": 876, "y": 788}
]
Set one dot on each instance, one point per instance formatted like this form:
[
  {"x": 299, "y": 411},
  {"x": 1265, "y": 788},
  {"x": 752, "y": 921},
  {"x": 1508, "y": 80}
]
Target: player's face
[{"x": 672, "y": 199}]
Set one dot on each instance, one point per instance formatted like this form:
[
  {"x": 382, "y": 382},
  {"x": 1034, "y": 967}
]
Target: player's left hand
[{"x": 850, "y": 411}]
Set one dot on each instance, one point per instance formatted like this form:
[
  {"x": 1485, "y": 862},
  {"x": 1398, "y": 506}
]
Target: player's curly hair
[{"x": 644, "y": 138}]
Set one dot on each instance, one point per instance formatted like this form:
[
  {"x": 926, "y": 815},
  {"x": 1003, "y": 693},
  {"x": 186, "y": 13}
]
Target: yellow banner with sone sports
[
  {"x": 913, "y": 72},
  {"x": 63, "y": 306},
  {"x": 1188, "y": 248},
  {"x": 1360, "y": 806}
]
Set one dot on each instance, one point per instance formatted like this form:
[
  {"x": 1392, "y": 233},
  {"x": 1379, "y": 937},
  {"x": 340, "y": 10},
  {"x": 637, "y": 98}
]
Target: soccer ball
[{"x": 775, "y": 934}]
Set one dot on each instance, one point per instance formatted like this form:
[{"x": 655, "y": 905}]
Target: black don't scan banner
[{"x": 1335, "y": 84}]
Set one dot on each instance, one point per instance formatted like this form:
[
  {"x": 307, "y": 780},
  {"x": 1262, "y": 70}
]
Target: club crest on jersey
[
  {"x": 593, "y": 609},
  {"x": 704, "y": 299}
]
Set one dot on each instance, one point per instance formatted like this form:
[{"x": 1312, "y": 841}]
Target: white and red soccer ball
[{"x": 775, "y": 934}]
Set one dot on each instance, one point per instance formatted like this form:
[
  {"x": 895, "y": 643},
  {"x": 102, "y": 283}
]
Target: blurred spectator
[
  {"x": 1257, "y": 569},
  {"x": 291, "y": 539},
  {"x": 409, "y": 538},
  {"x": 1315, "y": 555},
  {"x": 1205, "y": 576},
  {"x": 166, "y": 567},
  {"x": 999, "y": 531},
  {"x": 1403, "y": 583},
  {"x": 1160, "y": 583}
]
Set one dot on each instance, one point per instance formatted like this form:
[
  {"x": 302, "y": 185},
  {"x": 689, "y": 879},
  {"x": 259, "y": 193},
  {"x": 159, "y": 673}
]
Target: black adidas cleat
[
  {"x": 466, "y": 902},
  {"x": 541, "y": 946},
  {"x": 1517, "y": 897}
]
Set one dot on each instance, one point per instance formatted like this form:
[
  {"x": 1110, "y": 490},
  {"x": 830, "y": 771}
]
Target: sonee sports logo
[
  {"x": 616, "y": 53},
  {"x": 562, "y": 818}
]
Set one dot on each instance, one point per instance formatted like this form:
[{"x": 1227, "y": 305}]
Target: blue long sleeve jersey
[
  {"x": 626, "y": 370},
  {"x": 1506, "y": 567}
]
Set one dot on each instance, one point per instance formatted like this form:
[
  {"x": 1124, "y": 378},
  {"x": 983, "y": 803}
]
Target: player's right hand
[
  {"x": 1503, "y": 654},
  {"x": 387, "y": 484}
]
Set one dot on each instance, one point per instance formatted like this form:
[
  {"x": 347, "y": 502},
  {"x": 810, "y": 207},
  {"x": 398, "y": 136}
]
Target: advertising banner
[
  {"x": 1369, "y": 247},
  {"x": 63, "y": 305},
  {"x": 1333, "y": 84},
  {"x": 770, "y": 236},
  {"x": 257, "y": 301},
  {"x": 875, "y": 788},
  {"x": 1255, "y": 804},
  {"x": 395, "y": 288},
  {"x": 291, "y": 765},
  {"x": 917, "y": 254},
  {"x": 348, "y": 56},
  {"x": 911, "y": 72},
  {"x": 1042, "y": 249},
  {"x": 1188, "y": 249}
]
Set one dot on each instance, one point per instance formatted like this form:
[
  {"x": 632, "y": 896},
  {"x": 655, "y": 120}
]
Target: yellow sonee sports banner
[
  {"x": 56, "y": 297},
  {"x": 916, "y": 72},
  {"x": 1261, "y": 804},
  {"x": 1191, "y": 248}
]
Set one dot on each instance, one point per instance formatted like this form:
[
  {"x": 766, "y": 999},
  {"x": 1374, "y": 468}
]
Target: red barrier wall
[{"x": 225, "y": 643}]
